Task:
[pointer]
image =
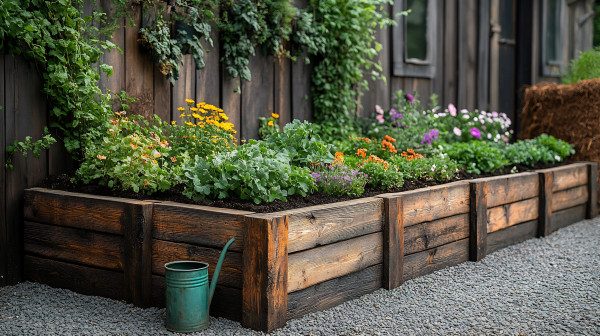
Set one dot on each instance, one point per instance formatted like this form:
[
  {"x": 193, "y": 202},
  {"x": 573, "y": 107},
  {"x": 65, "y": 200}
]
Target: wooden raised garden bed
[{"x": 287, "y": 264}]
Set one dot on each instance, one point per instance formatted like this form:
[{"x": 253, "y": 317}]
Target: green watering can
[{"x": 188, "y": 296}]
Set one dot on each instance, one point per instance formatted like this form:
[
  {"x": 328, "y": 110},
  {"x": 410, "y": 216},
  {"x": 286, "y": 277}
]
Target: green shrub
[
  {"x": 586, "y": 66},
  {"x": 382, "y": 174},
  {"x": 252, "y": 172},
  {"x": 476, "y": 156},
  {"x": 302, "y": 143},
  {"x": 437, "y": 167},
  {"x": 544, "y": 149}
]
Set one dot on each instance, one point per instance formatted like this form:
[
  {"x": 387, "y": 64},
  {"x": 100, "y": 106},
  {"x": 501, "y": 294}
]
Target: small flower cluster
[
  {"x": 339, "y": 159},
  {"x": 410, "y": 155},
  {"x": 339, "y": 180},
  {"x": 387, "y": 144},
  {"x": 430, "y": 136},
  {"x": 268, "y": 126},
  {"x": 475, "y": 125}
]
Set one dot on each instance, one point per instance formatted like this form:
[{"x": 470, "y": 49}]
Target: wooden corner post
[
  {"x": 137, "y": 252},
  {"x": 592, "y": 204},
  {"x": 545, "y": 205},
  {"x": 393, "y": 243},
  {"x": 478, "y": 220},
  {"x": 265, "y": 272}
]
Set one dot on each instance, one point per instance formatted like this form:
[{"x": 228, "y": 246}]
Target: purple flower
[
  {"x": 475, "y": 132},
  {"x": 457, "y": 131},
  {"x": 409, "y": 97},
  {"x": 434, "y": 134},
  {"x": 452, "y": 110},
  {"x": 430, "y": 136}
]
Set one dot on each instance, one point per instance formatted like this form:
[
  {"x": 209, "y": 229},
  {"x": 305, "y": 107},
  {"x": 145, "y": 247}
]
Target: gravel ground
[{"x": 547, "y": 286}]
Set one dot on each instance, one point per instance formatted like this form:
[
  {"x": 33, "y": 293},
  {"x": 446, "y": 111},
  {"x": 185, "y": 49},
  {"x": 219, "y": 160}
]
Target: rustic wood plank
[
  {"x": 569, "y": 176},
  {"x": 257, "y": 95},
  {"x": 511, "y": 235},
  {"x": 328, "y": 223},
  {"x": 116, "y": 82},
  {"x": 139, "y": 69},
  {"x": 545, "y": 209},
  {"x": 512, "y": 188},
  {"x": 334, "y": 292},
  {"x": 74, "y": 245},
  {"x": 566, "y": 217},
  {"x": 3, "y": 194},
  {"x": 383, "y": 94},
  {"x": 467, "y": 54},
  {"x": 208, "y": 82},
  {"x": 569, "y": 198},
  {"x": 428, "y": 235},
  {"x": 227, "y": 301},
  {"x": 166, "y": 251},
  {"x": 265, "y": 272},
  {"x": 302, "y": 107},
  {"x": 507, "y": 215},
  {"x": 201, "y": 225},
  {"x": 98, "y": 213},
  {"x": 81, "y": 279},
  {"x": 25, "y": 115},
  {"x": 324, "y": 263},
  {"x": 393, "y": 243},
  {"x": 478, "y": 220},
  {"x": 231, "y": 100},
  {"x": 422, "y": 263},
  {"x": 162, "y": 96},
  {"x": 185, "y": 87},
  {"x": 282, "y": 86},
  {"x": 450, "y": 65},
  {"x": 137, "y": 252},
  {"x": 592, "y": 204},
  {"x": 428, "y": 204}
]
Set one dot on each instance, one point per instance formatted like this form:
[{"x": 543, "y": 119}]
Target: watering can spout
[{"x": 213, "y": 283}]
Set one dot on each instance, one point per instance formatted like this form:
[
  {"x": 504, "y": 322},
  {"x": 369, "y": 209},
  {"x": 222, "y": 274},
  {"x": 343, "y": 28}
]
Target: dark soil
[{"x": 62, "y": 182}]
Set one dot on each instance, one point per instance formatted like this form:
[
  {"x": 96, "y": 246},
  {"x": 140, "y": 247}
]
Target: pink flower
[
  {"x": 457, "y": 131},
  {"x": 410, "y": 97},
  {"x": 505, "y": 139},
  {"x": 379, "y": 118},
  {"x": 475, "y": 132},
  {"x": 494, "y": 114},
  {"x": 464, "y": 111},
  {"x": 452, "y": 110},
  {"x": 378, "y": 109}
]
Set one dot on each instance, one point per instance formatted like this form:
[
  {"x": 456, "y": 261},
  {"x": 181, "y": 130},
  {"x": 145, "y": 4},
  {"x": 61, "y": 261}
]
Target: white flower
[
  {"x": 466, "y": 116},
  {"x": 475, "y": 119},
  {"x": 556, "y": 157},
  {"x": 433, "y": 168},
  {"x": 489, "y": 135}
]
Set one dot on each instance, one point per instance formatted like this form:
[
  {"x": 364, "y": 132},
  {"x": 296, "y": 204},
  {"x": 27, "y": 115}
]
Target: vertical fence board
[
  {"x": 207, "y": 78},
  {"x": 450, "y": 66},
  {"x": 231, "y": 100},
  {"x": 282, "y": 90},
  {"x": 478, "y": 220},
  {"x": 257, "y": 95},
  {"x": 3, "y": 194},
  {"x": 25, "y": 116},
  {"x": 116, "y": 82},
  {"x": 185, "y": 86},
  {"x": 137, "y": 253},
  {"x": 467, "y": 53},
  {"x": 139, "y": 70},
  {"x": 382, "y": 89},
  {"x": 393, "y": 243}
]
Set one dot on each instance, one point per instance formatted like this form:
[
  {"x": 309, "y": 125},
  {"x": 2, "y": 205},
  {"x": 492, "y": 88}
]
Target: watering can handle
[{"x": 213, "y": 283}]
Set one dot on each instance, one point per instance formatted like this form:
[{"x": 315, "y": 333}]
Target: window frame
[
  {"x": 549, "y": 69},
  {"x": 403, "y": 66}
]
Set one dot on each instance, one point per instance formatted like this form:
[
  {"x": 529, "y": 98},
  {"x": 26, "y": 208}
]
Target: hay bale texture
[{"x": 568, "y": 112}]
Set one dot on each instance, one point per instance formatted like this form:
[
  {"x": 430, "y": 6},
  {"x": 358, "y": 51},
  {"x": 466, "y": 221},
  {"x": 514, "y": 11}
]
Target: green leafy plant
[
  {"x": 24, "y": 147},
  {"x": 382, "y": 174},
  {"x": 268, "y": 126},
  {"x": 339, "y": 180},
  {"x": 303, "y": 144},
  {"x": 544, "y": 149},
  {"x": 476, "y": 156},
  {"x": 586, "y": 66},
  {"x": 438, "y": 167},
  {"x": 252, "y": 171}
]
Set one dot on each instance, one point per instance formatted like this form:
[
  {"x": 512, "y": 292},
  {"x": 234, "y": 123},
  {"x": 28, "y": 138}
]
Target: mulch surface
[{"x": 62, "y": 182}]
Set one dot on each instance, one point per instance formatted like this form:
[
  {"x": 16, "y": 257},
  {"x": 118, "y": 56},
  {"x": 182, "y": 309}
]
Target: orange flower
[
  {"x": 389, "y": 146},
  {"x": 389, "y": 138},
  {"x": 361, "y": 152},
  {"x": 101, "y": 157},
  {"x": 339, "y": 158},
  {"x": 173, "y": 158},
  {"x": 134, "y": 146},
  {"x": 410, "y": 154}
]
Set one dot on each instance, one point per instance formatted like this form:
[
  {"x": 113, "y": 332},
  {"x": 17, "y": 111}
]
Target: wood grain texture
[
  {"x": 467, "y": 53},
  {"x": 139, "y": 69},
  {"x": 425, "y": 236},
  {"x": 137, "y": 252},
  {"x": 257, "y": 95},
  {"x": 201, "y": 225},
  {"x": 184, "y": 87},
  {"x": 506, "y": 215},
  {"x": 511, "y": 235},
  {"x": 592, "y": 204},
  {"x": 265, "y": 272},
  {"x": 569, "y": 198},
  {"x": 227, "y": 301},
  {"x": 478, "y": 220},
  {"x": 162, "y": 96},
  {"x": 116, "y": 82},
  {"x": 334, "y": 292},
  {"x": 568, "y": 176},
  {"x": 98, "y": 213},
  {"x": 393, "y": 243},
  {"x": 511, "y": 188},
  {"x": 231, "y": 100},
  {"x": 328, "y": 223},
  {"x": 207, "y": 78},
  {"x": 74, "y": 245},
  {"x": 282, "y": 89},
  {"x": 3, "y": 140},
  {"x": 422, "y": 263},
  {"x": 81, "y": 279},
  {"x": 324, "y": 263},
  {"x": 428, "y": 204},
  {"x": 566, "y": 217},
  {"x": 450, "y": 53},
  {"x": 302, "y": 107},
  {"x": 165, "y": 251},
  {"x": 545, "y": 204}
]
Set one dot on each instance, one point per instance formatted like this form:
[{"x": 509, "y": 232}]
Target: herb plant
[
  {"x": 586, "y": 66},
  {"x": 339, "y": 180},
  {"x": 303, "y": 144},
  {"x": 476, "y": 157}
]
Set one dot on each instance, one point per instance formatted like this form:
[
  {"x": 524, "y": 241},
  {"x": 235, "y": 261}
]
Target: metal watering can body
[{"x": 188, "y": 295}]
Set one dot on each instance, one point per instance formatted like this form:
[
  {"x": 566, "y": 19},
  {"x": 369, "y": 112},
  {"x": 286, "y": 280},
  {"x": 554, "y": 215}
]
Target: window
[
  {"x": 552, "y": 37},
  {"x": 414, "y": 52}
]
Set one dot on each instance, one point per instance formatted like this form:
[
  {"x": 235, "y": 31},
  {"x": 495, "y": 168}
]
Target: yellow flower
[
  {"x": 189, "y": 101},
  {"x": 173, "y": 158},
  {"x": 182, "y": 115},
  {"x": 196, "y": 115},
  {"x": 203, "y": 111},
  {"x": 213, "y": 140},
  {"x": 275, "y": 115},
  {"x": 154, "y": 161},
  {"x": 270, "y": 123},
  {"x": 173, "y": 122},
  {"x": 181, "y": 109},
  {"x": 224, "y": 116},
  {"x": 188, "y": 123},
  {"x": 194, "y": 109}
]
